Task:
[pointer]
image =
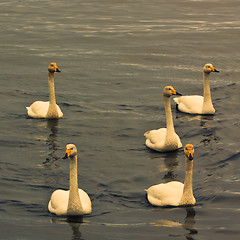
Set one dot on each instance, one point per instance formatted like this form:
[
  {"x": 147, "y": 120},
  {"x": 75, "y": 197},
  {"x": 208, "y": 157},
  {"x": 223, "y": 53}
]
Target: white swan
[
  {"x": 175, "y": 193},
  {"x": 40, "y": 109},
  {"x": 164, "y": 139},
  {"x": 197, "y": 104},
  {"x": 75, "y": 201}
]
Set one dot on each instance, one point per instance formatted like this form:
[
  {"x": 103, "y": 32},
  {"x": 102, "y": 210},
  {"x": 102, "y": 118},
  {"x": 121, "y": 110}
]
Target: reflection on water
[
  {"x": 75, "y": 229},
  {"x": 171, "y": 164},
  {"x": 74, "y": 223},
  {"x": 51, "y": 141},
  {"x": 167, "y": 162},
  {"x": 205, "y": 122},
  {"x": 204, "y": 119},
  {"x": 188, "y": 224}
]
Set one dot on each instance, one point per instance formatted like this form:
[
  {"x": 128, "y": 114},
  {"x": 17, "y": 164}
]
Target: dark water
[{"x": 116, "y": 57}]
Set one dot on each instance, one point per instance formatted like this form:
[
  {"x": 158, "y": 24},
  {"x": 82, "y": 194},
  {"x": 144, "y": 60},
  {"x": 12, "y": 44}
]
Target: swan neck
[
  {"x": 74, "y": 203},
  {"x": 73, "y": 181},
  {"x": 187, "y": 197},
  {"x": 206, "y": 88},
  {"x": 52, "y": 98},
  {"x": 52, "y": 109},
  {"x": 168, "y": 111}
]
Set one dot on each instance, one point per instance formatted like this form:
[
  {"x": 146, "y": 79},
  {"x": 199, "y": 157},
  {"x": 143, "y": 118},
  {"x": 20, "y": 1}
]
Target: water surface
[{"x": 115, "y": 58}]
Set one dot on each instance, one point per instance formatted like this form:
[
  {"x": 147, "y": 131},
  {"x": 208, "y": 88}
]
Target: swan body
[
  {"x": 175, "y": 193},
  {"x": 50, "y": 109},
  {"x": 38, "y": 109},
  {"x": 164, "y": 139},
  {"x": 75, "y": 201},
  {"x": 198, "y": 104}
]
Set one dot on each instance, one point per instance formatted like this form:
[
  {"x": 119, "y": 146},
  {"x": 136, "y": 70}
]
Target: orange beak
[
  {"x": 67, "y": 154},
  {"x": 174, "y": 92},
  {"x": 213, "y": 69},
  {"x": 190, "y": 154}
]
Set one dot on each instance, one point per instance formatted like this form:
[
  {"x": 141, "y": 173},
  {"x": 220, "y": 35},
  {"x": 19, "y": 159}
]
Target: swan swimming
[
  {"x": 197, "y": 104},
  {"x": 50, "y": 109},
  {"x": 175, "y": 193},
  {"x": 75, "y": 201},
  {"x": 164, "y": 139}
]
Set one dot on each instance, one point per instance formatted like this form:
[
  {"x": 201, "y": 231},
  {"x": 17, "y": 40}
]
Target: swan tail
[
  {"x": 176, "y": 100},
  {"x": 146, "y": 133}
]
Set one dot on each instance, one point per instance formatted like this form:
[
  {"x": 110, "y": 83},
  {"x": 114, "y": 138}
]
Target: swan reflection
[
  {"x": 74, "y": 223},
  {"x": 171, "y": 163},
  {"x": 188, "y": 224},
  {"x": 167, "y": 162},
  {"x": 204, "y": 119},
  {"x": 51, "y": 141}
]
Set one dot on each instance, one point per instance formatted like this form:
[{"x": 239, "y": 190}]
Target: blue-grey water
[{"x": 115, "y": 58}]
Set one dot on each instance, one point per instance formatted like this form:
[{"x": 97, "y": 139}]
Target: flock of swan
[{"x": 76, "y": 202}]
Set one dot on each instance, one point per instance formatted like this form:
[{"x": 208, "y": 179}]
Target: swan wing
[
  {"x": 60, "y": 114},
  {"x": 155, "y": 139},
  {"x": 38, "y": 109},
  {"x": 190, "y": 104},
  {"x": 58, "y": 203},
  {"x": 165, "y": 194},
  {"x": 85, "y": 201},
  {"x": 178, "y": 141}
]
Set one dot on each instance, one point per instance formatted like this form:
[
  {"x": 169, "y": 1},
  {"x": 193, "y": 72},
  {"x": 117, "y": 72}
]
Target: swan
[
  {"x": 175, "y": 193},
  {"x": 75, "y": 201},
  {"x": 164, "y": 139},
  {"x": 197, "y": 104},
  {"x": 50, "y": 109}
]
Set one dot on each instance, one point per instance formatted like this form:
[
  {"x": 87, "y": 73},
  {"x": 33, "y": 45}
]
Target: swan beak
[
  {"x": 190, "y": 155},
  {"x": 55, "y": 68},
  {"x": 68, "y": 153},
  {"x": 214, "y": 69},
  {"x": 174, "y": 92}
]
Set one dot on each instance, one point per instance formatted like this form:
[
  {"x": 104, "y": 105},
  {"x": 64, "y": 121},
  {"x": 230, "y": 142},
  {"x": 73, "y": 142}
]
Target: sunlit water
[{"x": 116, "y": 57}]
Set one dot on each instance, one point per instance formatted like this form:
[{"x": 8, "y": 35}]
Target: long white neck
[
  {"x": 52, "y": 109},
  {"x": 52, "y": 99},
  {"x": 74, "y": 203},
  {"x": 207, "y": 100},
  {"x": 169, "y": 120},
  {"x": 187, "y": 197}
]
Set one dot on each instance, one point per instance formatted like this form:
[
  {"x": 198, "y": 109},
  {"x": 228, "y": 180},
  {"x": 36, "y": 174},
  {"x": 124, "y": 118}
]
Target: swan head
[
  {"x": 208, "y": 68},
  {"x": 71, "y": 151},
  {"x": 52, "y": 67},
  {"x": 189, "y": 151},
  {"x": 168, "y": 91}
]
